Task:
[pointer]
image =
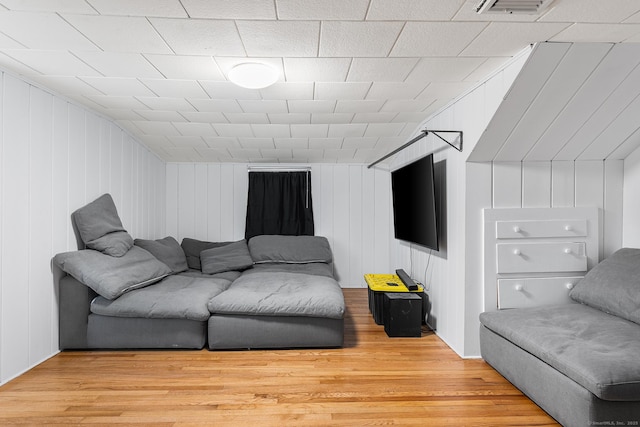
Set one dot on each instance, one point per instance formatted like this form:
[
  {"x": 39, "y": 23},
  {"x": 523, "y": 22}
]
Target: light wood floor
[{"x": 373, "y": 380}]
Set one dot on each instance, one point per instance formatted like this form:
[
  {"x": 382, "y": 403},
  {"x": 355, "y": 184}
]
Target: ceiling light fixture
[{"x": 253, "y": 75}]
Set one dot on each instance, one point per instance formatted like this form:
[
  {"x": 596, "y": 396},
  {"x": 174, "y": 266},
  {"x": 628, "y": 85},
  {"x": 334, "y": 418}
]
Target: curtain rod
[
  {"x": 278, "y": 168},
  {"x": 418, "y": 138}
]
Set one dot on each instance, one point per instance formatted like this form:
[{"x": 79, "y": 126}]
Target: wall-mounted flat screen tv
[{"x": 414, "y": 203}]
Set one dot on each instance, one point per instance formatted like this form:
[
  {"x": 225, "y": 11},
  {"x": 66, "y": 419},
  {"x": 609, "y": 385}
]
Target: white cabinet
[{"x": 534, "y": 256}]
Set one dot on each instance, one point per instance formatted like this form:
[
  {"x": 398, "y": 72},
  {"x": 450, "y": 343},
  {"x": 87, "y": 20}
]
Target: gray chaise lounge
[{"x": 579, "y": 362}]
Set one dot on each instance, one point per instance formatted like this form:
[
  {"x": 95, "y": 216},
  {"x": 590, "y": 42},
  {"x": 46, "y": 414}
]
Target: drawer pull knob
[
  {"x": 567, "y": 250},
  {"x": 516, "y": 229},
  {"x": 518, "y": 287},
  {"x": 516, "y": 252},
  {"x": 569, "y": 285},
  {"x": 568, "y": 228}
]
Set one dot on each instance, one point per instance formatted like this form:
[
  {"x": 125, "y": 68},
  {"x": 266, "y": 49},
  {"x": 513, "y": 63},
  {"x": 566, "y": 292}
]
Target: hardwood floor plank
[{"x": 368, "y": 382}]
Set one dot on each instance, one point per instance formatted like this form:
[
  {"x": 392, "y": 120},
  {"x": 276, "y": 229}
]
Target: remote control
[{"x": 408, "y": 281}]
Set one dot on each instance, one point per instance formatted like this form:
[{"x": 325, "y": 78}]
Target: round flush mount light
[{"x": 253, "y": 75}]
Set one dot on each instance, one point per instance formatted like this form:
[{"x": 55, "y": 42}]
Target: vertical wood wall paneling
[
  {"x": 15, "y": 227},
  {"x": 240, "y": 188},
  {"x": 40, "y": 213},
  {"x": 186, "y": 200},
  {"x": 563, "y": 184},
  {"x": 507, "y": 185},
  {"x": 54, "y": 157},
  {"x": 631, "y": 206},
  {"x": 227, "y": 203},
  {"x": 613, "y": 206},
  {"x": 214, "y": 207},
  {"x": 341, "y": 214},
  {"x": 355, "y": 219},
  {"x": 590, "y": 189},
  {"x": 536, "y": 184},
  {"x": 171, "y": 185},
  {"x": 201, "y": 200}
]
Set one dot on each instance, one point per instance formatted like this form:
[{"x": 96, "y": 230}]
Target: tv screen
[{"x": 414, "y": 203}]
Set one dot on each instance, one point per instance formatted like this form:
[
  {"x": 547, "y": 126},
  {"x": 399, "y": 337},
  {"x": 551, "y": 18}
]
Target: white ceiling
[{"x": 357, "y": 76}]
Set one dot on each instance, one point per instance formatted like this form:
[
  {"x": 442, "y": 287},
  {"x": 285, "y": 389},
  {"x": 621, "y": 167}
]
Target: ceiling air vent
[{"x": 512, "y": 6}]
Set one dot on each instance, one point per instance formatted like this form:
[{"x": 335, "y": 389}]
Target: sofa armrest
[{"x": 74, "y": 305}]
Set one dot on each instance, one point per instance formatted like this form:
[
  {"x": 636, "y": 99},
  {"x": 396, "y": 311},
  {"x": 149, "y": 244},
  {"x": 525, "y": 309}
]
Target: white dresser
[{"x": 534, "y": 256}]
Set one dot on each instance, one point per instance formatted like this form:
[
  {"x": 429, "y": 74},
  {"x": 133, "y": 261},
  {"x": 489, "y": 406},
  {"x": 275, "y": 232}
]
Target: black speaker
[{"x": 403, "y": 311}]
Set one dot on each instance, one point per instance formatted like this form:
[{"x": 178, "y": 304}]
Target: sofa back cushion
[
  {"x": 613, "y": 286},
  {"x": 193, "y": 247},
  {"x": 100, "y": 228},
  {"x": 290, "y": 249},
  {"x": 232, "y": 257},
  {"x": 167, "y": 250}
]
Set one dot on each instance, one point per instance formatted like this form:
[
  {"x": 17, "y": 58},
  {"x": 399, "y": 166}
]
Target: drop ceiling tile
[
  {"x": 345, "y": 130},
  {"x": 175, "y": 88},
  {"x": 358, "y": 106},
  {"x": 413, "y": 10},
  {"x": 283, "y": 154},
  {"x": 256, "y": 143},
  {"x": 368, "y": 142},
  {"x": 279, "y": 38},
  {"x": 374, "y": 117},
  {"x": 316, "y": 69},
  {"x": 155, "y": 141},
  {"x": 214, "y": 155},
  {"x": 381, "y": 69},
  {"x": 118, "y": 86},
  {"x": 247, "y": 118},
  {"x": 166, "y": 104},
  {"x": 634, "y": 19},
  {"x": 195, "y": 129},
  {"x": 119, "y": 33},
  {"x": 436, "y": 38},
  {"x": 118, "y": 114},
  {"x": 590, "y": 11},
  {"x": 598, "y": 33},
  {"x": 114, "y": 64},
  {"x": 387, "y": 90},
  {"x": 181, "y": 154},
  {"x": 289, "y": 118},
  {"x": 233, "y": 130},
  {"x": 406, "y": 105},
  {"x": 187, "y": 141},
  {"x": 364, "y": 155},
  {"x": 153, "y": 8},
  {"x": 309, "y": 154},
  {"x": 220, "y": 142},
  {"x": 309, "y": 131},
  {"x": 445, "y": 90},
  {"x": 204, "y": 117},
  {"x": 200, "y": 37},
  {"x": 311, "y": 106},
  {"x": 322, "y": 143},
  {"x": 507, "y": 38},
  {"x": 117, "y": 102},
  {"x": 225, "y": 9},
  {"x": 262, "y": 106},
  {"x": 271, "y": 130},
  {"x": 242, "y": 154},
  {"x": 156, "y": 115},
  {"x": 49, "y": 62},
  {"x": 358, "y": 39},
  {"x": 60, "y": 6},
  {"x": 345, "y": 155},
  {"x": 43, "y": 31},
  {"x": 7, "y": 42},
  {"x": 285, "y": 91},
  {"x": 384, "y": 129},
  {"x": 227, "y": 63},
  {"x": 66, "y": 85},
  {"x": 335, "y": 91},
  {"x": 444, "y": 69},
  {"x": 331, "y": 117},
  {"x": 216, "y": 105},
  {"x": 488, "y": 67},
  {"x": 186, "y": 67},
  {"x": 345, "y": 10},
  {"x": 227, "y": 90},
  {"x": 291, "y": 142},
  {"x": 410, "y": 117},
  {"x": 157, "y": 128}
]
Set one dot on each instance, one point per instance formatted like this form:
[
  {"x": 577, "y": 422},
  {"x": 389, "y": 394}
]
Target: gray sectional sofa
[
  {"x": 270, "y": 292},
  {"x": 579, "y": 362}
]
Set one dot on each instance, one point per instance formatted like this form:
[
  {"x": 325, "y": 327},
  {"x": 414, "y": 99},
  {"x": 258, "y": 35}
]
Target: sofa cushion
[
  {"x": 234, "y": 256},
  {"x": 100, "y": 227},
  {"x": 281, "y": 294},
  {"x": 193, "y": 247},
  {"x": 111, "y": 276},
  {"x": 167, "y": 250},
  {"x": 290, "y": 249},
  {"x": 599, "y": 351},
  {"x": 613, "y": 285},
  {"x": 175, "y": 297}
]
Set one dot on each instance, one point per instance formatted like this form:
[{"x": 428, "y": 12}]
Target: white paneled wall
[
  {"x": 351, "y": 208},
  {"x": 54, "y": 158},
  {"x": 631, "y": 208}
]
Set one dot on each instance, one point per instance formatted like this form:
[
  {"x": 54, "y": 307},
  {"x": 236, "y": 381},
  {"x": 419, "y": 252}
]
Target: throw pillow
[
  {"x": 234, "y": 256},
  {"x": 193, "y": 247},
  {"x": 167, "y": 250}
]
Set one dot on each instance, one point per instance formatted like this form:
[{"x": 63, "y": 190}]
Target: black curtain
[{"x": 279, "y": 203}]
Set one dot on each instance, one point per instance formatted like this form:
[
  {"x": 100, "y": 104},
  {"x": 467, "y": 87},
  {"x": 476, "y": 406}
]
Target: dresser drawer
[
  {"x": 530, "y": 292},
  {"x": 541, "y": 229},
  {"x": 549, "y": 257}
]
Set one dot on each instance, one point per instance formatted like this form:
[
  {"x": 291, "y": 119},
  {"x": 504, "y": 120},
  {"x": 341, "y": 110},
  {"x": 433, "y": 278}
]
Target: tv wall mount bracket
[{"x": 423, "y": 134}]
